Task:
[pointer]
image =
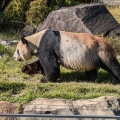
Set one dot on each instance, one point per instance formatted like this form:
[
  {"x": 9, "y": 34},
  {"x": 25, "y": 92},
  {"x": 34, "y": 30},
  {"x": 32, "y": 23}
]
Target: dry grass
[{"x": 115, "y": 11}]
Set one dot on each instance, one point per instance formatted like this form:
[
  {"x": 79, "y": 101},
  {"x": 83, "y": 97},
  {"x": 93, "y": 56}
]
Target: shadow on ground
[{"x": 77, "y": 76}]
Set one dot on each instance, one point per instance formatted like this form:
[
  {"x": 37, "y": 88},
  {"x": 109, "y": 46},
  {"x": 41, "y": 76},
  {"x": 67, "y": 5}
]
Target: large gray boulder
[
  {"x": 49, "y": 106},
  {"x": 88, "y": 18},
  {"x": 106, "y": 106},
  {"x": 102, "y": 106}
]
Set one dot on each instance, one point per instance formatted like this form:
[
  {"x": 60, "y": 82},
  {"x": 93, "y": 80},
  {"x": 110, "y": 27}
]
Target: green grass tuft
[
  {"x": 5, "y": 50},
  {"x": 115, "y": 11},
  {"x": 11, "y": 86}
]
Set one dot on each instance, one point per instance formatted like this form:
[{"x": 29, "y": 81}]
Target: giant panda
[{"x": 77, "y": 51}]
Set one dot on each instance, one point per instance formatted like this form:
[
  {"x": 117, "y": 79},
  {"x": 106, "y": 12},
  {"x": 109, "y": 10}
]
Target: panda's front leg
[
  {"x": 51, "y": 74},
  {"x": 51, "y": 68}
]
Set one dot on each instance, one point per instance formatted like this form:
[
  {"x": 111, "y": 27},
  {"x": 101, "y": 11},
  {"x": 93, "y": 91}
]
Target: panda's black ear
[{"x": 24, "y": 41}]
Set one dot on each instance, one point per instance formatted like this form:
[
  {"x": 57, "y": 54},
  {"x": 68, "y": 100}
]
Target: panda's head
[{"x": 23, "y": 51}]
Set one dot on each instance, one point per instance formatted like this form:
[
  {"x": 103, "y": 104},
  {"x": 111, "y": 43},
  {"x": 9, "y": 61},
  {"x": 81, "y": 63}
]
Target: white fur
[
  {"x": 77, "y": 55},
  {"x": 33, "y": 45}
]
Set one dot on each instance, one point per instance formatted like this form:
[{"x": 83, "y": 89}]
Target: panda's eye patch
[{"x": 18, "y": 52}]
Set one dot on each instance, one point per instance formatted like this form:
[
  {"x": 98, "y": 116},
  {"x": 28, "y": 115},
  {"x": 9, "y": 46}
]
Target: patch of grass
[
  {"x": 71, "y": 90},
  {"x": 6, "y": 50},
  {"x": 9, "y": 33},
  {"x": 115, "y": 11},
  {"x": 115, "y": 43},
  {"x": 9, "y": 89},
  {"x": 11, "y": 86},
  {"x": 16, "y": 86}
]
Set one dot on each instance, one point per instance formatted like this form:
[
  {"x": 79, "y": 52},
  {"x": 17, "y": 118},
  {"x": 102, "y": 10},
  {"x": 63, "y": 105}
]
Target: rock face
[
  {"x": 9, "y": 108},
  {"x": 102, "y": 106},
  {"x": 88, "y": 18},
  {"x": 8, "y": 43},
  {"x": 108, "y": 106}
]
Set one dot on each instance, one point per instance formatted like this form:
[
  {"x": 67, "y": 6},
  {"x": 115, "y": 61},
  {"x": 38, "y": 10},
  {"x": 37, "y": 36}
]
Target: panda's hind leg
[{"x": 91, "y": 75}]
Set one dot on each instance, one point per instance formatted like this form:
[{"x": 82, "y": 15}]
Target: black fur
[
  {"x": 33, "y": 68},
  {"x": 24, "y": 41},
  {"x": 113, "y": 68},
  {"x": 49, "y": 54}
]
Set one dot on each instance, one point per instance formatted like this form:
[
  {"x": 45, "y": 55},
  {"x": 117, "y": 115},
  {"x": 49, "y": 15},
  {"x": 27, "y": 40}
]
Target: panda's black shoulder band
[{"x": 24, "y": 41}]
